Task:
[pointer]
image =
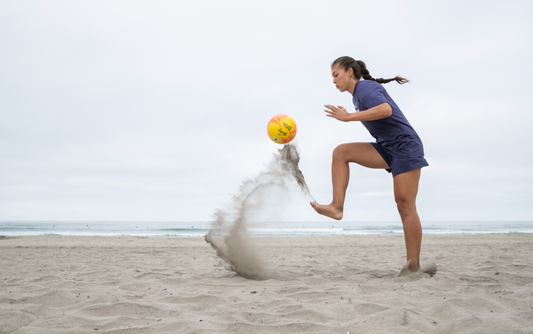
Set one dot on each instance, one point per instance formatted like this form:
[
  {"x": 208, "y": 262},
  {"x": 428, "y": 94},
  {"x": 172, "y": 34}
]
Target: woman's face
[{"x": 343, "y": 80}]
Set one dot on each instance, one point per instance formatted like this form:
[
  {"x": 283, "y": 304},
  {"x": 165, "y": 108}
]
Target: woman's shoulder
[{"x": 368, "y": 86}]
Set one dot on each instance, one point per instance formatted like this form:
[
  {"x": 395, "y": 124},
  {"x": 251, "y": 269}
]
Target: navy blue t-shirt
[{"x": 394, "y": 133}]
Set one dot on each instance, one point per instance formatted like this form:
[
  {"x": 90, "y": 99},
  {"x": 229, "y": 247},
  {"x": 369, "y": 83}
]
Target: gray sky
[{"x": 157, "y": 110}]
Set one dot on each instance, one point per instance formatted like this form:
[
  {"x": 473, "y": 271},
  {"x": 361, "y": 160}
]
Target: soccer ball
[{"x": 281, "y": 129}]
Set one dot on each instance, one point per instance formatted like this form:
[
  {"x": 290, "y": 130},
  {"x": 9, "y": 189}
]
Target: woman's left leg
[{"x": 405, "y": 191}]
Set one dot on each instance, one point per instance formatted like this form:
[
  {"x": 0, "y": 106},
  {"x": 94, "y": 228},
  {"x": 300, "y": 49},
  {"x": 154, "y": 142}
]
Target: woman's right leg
[{"x": 363, "y": 154}]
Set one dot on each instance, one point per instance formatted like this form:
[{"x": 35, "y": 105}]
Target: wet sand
[{"x": 54, "y": 284}]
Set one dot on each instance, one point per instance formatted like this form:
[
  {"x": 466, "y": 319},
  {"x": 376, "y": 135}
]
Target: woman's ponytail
[{"x": 360, "y": 70}]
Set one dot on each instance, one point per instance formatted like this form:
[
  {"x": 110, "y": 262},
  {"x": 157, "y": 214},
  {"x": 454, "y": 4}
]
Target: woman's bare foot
[
  {"x": 429, "y": 268},
  {"x": 409, "y": 268},
  {"x": 328, "y": 210}
]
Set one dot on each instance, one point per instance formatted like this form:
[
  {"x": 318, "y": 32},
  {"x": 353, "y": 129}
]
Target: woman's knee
[
  {"x": 363, "y": 154},
  {"x": 340, "y": 152},
  {"x": 405, "y": 205}
]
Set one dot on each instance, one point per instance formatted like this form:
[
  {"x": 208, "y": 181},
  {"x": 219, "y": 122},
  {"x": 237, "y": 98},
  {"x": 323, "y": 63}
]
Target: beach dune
[{"x": 341, "y": 284}]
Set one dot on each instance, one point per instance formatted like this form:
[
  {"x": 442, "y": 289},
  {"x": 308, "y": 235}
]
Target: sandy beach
[{"x": 54, "y": 284}]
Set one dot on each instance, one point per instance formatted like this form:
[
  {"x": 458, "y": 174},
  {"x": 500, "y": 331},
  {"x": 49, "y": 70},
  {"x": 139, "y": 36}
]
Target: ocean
[{"x": 277, "y": 229}]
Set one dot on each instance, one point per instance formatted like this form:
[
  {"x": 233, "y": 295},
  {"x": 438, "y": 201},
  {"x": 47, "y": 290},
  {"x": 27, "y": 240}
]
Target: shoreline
[
  {"x": 255, "y": 229},
  {"x": 320, "y": 284}
]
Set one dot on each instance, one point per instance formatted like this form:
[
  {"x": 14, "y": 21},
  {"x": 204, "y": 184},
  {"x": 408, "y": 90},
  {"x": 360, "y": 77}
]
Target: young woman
[{"x": 398, "y": 149}]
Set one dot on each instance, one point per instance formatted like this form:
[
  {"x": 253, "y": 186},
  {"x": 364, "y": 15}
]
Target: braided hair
[{"x": 360, "y": 70}]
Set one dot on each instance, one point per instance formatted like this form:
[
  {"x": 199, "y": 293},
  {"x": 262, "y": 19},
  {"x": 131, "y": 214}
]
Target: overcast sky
[{"x": 157, "y": 110}]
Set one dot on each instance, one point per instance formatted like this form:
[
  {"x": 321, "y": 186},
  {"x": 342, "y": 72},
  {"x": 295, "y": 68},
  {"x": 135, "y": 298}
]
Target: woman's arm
[{"x": 378, "y": 112}]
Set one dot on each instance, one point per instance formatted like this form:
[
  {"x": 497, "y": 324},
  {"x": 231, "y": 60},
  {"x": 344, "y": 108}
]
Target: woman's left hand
[{"x": 338, "y": 112}]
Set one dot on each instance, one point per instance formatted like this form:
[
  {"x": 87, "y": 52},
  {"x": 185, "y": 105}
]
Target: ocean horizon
[{"x": 263, "y": 229}]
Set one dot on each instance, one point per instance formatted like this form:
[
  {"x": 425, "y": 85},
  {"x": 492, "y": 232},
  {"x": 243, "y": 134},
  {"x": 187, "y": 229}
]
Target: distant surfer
[{"x": 398, "y": 148}]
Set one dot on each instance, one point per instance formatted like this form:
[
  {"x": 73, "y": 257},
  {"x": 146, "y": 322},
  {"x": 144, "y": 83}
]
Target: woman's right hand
[{"x": 338, "y": 112}]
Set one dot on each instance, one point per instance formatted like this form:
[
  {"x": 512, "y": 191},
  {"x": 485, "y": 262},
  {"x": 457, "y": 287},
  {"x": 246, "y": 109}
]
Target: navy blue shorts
[{"x": 400, "y": 165}]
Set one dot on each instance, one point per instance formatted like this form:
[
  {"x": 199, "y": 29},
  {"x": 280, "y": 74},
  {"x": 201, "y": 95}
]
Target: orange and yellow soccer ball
[{"x": 281, "y": 129}]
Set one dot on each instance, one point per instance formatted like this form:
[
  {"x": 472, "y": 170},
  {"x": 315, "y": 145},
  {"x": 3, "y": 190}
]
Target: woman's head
[
  {"x": 357, "y": 69},
  {"x": 343, "y": 78}
]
